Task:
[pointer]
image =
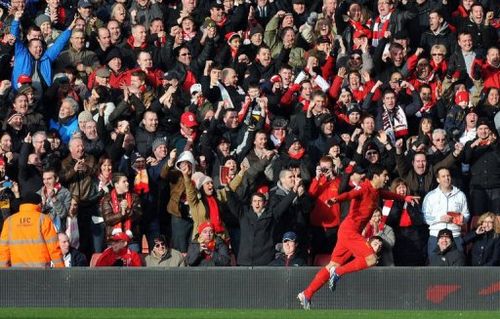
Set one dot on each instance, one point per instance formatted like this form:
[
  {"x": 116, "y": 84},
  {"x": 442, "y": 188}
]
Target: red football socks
[
  {"x": 359, "y": 263},
  {"x": 319, "y": 280}
]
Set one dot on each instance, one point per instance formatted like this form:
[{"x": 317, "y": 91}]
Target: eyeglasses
[
  {"x": 437, "y": 54},
  {"x": 357, "y": 57},
  {"x": 158, "y": 245},
  {"x": 185, "y": 54},
  {"x": 372, "y": 153}
]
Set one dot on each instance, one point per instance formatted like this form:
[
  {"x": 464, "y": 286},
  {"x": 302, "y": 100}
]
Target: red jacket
[
  {"x": 322, "y": 190},
  {"x": 129, "y": 258},
  {"x": 364, "y": 200},
  {"x": 490, "y": 75}
]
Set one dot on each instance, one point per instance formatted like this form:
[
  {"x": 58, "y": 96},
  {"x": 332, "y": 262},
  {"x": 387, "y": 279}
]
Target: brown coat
[
  {"x": 79, "y": 183},
  {"x": 111, "y": 219}
]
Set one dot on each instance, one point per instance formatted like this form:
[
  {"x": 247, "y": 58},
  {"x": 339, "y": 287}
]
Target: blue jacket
[
  {"x": 24, "y": 61},
  {"x": 65, "y": 130}
]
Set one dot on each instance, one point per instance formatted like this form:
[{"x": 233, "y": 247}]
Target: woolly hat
[
  {"x": 23, "y": 79},
  {"x": 204, "y": 225},
  {"x": 84, "y": 116},
  {"x": 199, "y": 179},
  {"x": 290, "y": 139},
  {"x": 461, "y": 96},
  {"x": 135, "y": 156},
  {"x": 256, "y": 29},
  {"x": 157, "y": 142},
  {"x": 483, "y": 121},
  {"x": 185, "y": 156},
  {"x": 445, "y": 233},
  {"x": 41, "y": 19},
  {"x": 13, "y": 115},
  {"x": 25, "y": 88},
  {"x": 230, "y": 36},
  {"x": 113, "y": 53}
]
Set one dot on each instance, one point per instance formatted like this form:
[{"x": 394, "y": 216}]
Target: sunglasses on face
[
  {"x": 158, "y": 245},
  {"x": 437, "y": 54}
]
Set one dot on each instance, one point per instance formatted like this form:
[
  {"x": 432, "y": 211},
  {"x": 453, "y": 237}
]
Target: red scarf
[
  {"x": 61, "y": 15},
  {"x": 298, "y": 155},
  {"x": 115, "y": 205},
  {"x": 221, "y": 23},
  {"x": 130, "y": 41},
  {"x": 189, "y": 80},
  {"x": 370, "y": 231},
  {"x": 234, "y": 52},
  {"x": 381, "y": 28},
  {"x": 460, "y": 12},
  {"x": 188, "y": 36},
  {"x": 405, "y": 220},
  {"x": 213, "y": 210},
  {"x": 141, "y": 182},
  {"x": 358, "y": 26},
  {"x": 46, "y": 195}
]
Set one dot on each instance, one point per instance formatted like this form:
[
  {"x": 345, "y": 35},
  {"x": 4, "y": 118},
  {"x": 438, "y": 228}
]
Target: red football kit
[{"x": 364, "y": 200}]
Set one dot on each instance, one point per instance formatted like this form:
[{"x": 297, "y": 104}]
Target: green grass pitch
[{"x": 162, "y": 313}]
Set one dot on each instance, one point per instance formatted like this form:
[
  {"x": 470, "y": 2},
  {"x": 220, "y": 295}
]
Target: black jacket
[
  {"x": 281, "y": 260},
  {"x": 77, "y": 258},
  {"x": 449, "y": 257},
  {"x": 485, "y": 165},
  {"x": 485, "y": 248},
  {"x": 256, "y": 243}
]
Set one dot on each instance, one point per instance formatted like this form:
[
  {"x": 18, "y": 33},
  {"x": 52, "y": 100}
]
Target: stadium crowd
[{"x": 221, "y": 130}]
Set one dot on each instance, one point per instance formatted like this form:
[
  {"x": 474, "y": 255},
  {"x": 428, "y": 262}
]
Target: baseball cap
[
  {"x": 290, "y": 236},
  {"x": 188, "y": 119},
  {"x": 84, "y": 4},
  {"x": 120, "y": 236}
]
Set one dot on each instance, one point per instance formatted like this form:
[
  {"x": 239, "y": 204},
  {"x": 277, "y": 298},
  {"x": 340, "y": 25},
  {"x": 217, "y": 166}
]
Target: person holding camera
[
  {"x": 207, "y": 249},
  {"x": 325, "y": 216}
]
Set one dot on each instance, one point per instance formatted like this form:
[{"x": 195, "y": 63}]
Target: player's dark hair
[{"x": 375, "y": 169}]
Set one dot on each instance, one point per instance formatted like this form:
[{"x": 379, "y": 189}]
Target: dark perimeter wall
[{"x": 378, "y": 288}]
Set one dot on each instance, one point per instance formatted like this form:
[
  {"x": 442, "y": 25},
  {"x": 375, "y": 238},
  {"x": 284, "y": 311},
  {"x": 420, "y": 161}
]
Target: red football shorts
[{"x": 350, "y": 243}]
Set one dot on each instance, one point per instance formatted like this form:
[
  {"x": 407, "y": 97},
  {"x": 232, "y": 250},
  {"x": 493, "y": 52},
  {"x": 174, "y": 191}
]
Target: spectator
[
  {"x": 378, "y": 228},
  {"x": 72, "y": 257},
  {"x": 119, "y": 255},
  {"x": 30, "y": 225},
  {"x": 445, "y": 207},
  {"x": 485, "y": 242},
  {"x": 207, "y": 249},
  {"x": 288, "y": 255},
  {"x": 56, "y": 199},
  {"x": 164, "y": 256},
  {"x": 411, "y": 232},
  {"x": 122, "y": 212},
  {"x": 445, "y": 252}
]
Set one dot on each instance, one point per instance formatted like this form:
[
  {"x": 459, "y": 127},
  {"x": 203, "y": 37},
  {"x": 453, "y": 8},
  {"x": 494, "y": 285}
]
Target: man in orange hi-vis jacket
[{"x": 29, "y": 238}]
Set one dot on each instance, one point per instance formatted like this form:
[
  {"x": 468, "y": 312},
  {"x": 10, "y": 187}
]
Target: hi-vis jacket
[{"x": 29, "y": 239}]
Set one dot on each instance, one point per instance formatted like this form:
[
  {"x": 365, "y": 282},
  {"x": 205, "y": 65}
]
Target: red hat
[
  {"x": 231, "y": 35},
  {"x": 188, "y": 119},
  {"x": 23, "y": 79},
  {"x": 360, "y": 33},
  {"x": 121, "y": 236},
  {"x": 204, "y": 225},
  {"x": 461, "y": 96}
]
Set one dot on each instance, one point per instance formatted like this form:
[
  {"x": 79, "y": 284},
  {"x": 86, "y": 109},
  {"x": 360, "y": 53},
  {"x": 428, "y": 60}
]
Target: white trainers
[
  {"x": 334, "y": 278},
  {"x": 304, "y": 302}
]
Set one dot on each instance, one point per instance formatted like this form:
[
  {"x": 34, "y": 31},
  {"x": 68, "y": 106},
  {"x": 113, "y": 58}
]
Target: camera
[{"x": 324, "y": 170}]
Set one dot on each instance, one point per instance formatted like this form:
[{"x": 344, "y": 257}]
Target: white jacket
[{"x": 436, "y": 204}]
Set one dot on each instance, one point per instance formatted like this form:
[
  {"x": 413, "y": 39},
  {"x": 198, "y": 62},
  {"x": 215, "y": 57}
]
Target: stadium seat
[
  {"x": 321, "y": 260},
  {"x": 93, "y": 260}
]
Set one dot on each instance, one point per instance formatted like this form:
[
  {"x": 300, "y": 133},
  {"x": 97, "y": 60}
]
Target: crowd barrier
[{"x": 240, "y": 287}]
